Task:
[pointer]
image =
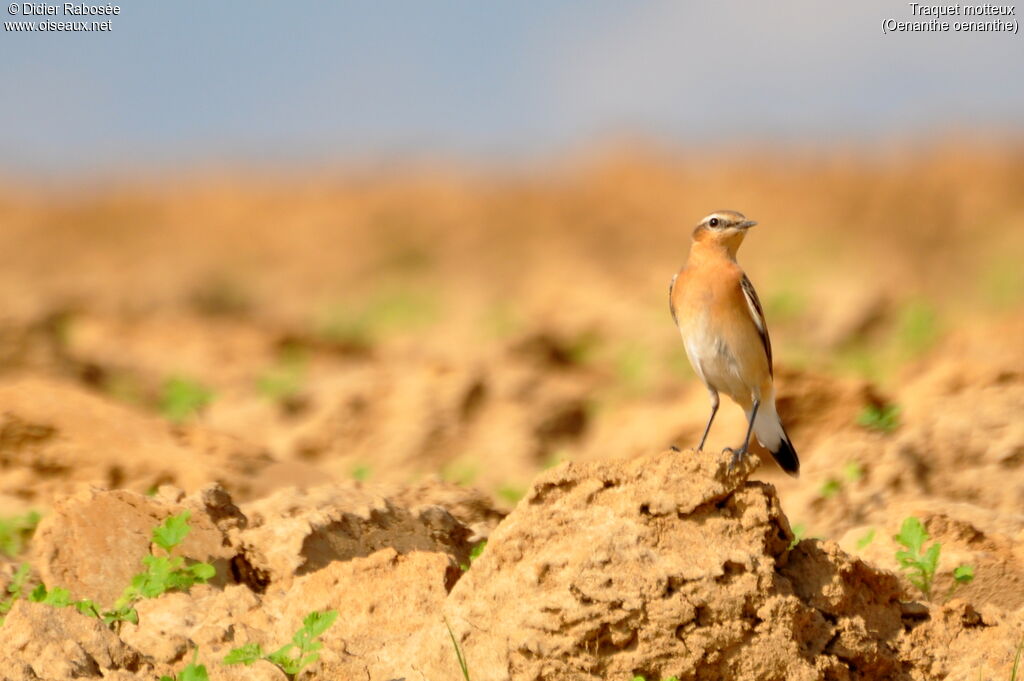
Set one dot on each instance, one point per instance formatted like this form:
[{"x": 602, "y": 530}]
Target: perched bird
[{"x": 722, "y": 324}]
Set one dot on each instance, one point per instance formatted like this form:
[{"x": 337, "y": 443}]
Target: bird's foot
[
  {"x": 737, "y": 456},
  {"x": 674, "y": 448}
]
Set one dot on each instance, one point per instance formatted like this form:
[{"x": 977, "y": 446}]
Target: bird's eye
[{"x": 713, "y": 222}]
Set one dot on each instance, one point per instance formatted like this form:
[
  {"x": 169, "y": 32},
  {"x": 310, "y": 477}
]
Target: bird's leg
[
  {"x": 707, "y": 428},
  {"x": 738, "y": 454}
]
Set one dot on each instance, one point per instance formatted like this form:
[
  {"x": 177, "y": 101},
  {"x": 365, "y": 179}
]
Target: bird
[{"x": 721, "y": 321}]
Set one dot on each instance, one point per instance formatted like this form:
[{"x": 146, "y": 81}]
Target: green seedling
[
  {"x": 853, "y": 471},
  {"x": 830, "y": 488},
  {"x": 920, "y": 562},
  {"x": 15, "y": 532},
  {"x": 474, "y": 553},
  {"x": 1016, "y": 661},
  {"x": 292, "y": 657},
  {"x": 172, "y": 531},
  {"x": 193, "y": 671},
  {"x": 16, "y": 589},
  {"x": 283, "y": 382},
  {"x": 511, "y": 493},
  {"x": 641, "y": 678},
  {"x": 461, "y": 473},
  {"x": 387, "y": 312},
  {"x": 799, "y": 530},
  {"x": 883, "y": 418},
  {"x": 555, "y": 458},
  {"x": 962, "y": 575},
  {"x": 868, "y": 537},
  {"x": 917, "y": 327},
  {"x": 361, "y": 472},
  {"x": 581, "y": 348},
  {"x": 59, "y": 597},
  {"x": 162, "y": 573},
  {"x": 463, "y": 666},
  {"x": 785, "y": 304},
  {"x": 183, "y": 399}
]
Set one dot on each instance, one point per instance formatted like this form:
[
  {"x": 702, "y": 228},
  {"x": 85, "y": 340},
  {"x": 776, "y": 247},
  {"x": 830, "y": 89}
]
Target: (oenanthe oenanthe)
[{"x": 720, "y": 318}]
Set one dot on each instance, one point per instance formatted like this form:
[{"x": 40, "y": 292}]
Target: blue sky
[{"x": 189, "y": 82}]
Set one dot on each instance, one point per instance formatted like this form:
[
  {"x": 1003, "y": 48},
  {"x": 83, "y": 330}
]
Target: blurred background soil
[{"x": 392, "y": 325}]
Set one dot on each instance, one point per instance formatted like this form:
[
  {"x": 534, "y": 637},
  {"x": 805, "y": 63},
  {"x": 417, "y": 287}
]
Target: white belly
[{"x": 713, "y": 361}]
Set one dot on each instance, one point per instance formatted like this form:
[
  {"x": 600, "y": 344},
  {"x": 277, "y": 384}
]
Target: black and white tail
[{"x": 772, "y": 434}]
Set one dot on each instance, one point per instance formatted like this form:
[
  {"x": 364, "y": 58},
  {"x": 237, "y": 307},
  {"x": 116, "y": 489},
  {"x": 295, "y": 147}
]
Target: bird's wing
[
  {"x": 671, "y": 305},
  {"x": 757, "y": 314}
]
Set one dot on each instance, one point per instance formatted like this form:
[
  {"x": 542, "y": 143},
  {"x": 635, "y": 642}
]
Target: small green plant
[
  {"x": 582, "y": 347},
  {"x": 920, "y": 562},
  {"x": 641, "y": 678},
  {"x": 58, "y": 598},
  {"x": 554, "y": 458},
  {"x": 16, "y": 589},
  {"x": 162, "y": 573},
  {"x": 463, "y": 665},
  {"x": 193, "y": 671},
  {"x": 868, "y": 537},
  {"x": 283, "y": 381},
  {"x": 363, "y": 326},
  {"x": 474, "y": 553},
  {"x": 852, "y": 472},
  {"x": 830, "y": 488},
  {"x": 963, "y": 574},
  {"x": 799, "y": 530},
  {"x": 917, "y": 327},
  {"x": 182, "y": 399},
  {"x": 511, "y": 493},
  {"x": 785, "y": 304},
  {"x": 292, "y": 657},
  {"x": 361, "y": 472},
  {"x": 459, "y": 472},
  {"x": 883, "y": 418},
  {"x": 61, "y": 598},
  {"x": 15, "y": 531},
  {"x": 1016, "y": 661}
]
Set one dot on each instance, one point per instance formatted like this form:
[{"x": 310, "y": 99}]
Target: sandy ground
[{"x": 352, "y": 379}]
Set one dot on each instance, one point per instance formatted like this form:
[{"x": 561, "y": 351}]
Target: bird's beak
[{"x": 747, "y": 224}]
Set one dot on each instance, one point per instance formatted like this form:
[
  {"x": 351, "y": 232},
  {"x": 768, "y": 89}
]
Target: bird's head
[{"x": 725, "y": 228}]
